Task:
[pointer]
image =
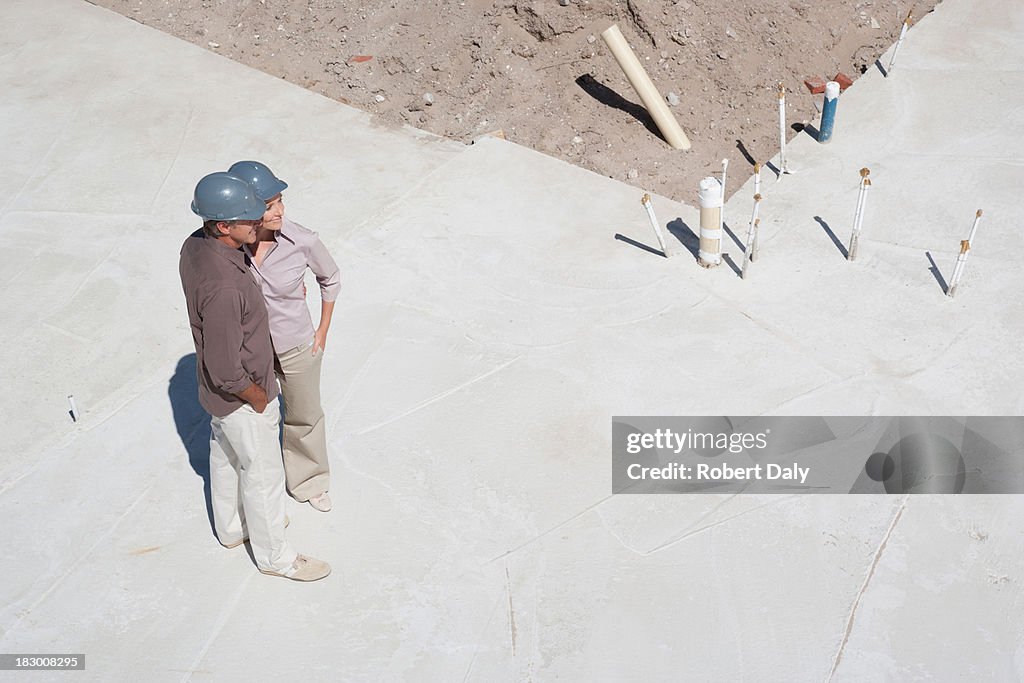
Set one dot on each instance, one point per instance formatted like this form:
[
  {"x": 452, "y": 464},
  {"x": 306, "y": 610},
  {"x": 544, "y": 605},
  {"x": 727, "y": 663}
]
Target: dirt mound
[{"x": 539, "y": 71}]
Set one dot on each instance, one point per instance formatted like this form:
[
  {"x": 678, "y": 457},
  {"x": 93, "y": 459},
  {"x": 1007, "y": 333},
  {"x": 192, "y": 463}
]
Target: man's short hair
[{"x": 210, "y": 228}]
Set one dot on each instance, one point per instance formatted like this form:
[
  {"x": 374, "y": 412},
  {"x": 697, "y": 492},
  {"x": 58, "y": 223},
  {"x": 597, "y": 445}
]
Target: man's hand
[{"x": 254, "y": 396}]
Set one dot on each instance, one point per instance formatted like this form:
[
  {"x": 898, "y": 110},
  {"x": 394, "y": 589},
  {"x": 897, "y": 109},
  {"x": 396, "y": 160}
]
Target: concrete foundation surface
[{"x": 498, "y": 308}]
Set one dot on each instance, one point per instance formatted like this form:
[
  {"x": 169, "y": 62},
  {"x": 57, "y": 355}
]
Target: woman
[{"x": 279, "y": 258}]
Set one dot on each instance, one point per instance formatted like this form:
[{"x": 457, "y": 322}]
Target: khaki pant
[
  {"x": 247, "y": 484},
  {"x": 304, "y": 442}
]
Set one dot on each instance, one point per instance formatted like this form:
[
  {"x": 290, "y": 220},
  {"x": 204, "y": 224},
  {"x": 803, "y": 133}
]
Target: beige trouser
[
  {"x": 247, "y": 484},
  {"x": 304, "y": 443}
]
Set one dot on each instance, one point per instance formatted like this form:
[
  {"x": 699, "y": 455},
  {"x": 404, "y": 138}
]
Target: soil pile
[{"x": 538, "y": 70}]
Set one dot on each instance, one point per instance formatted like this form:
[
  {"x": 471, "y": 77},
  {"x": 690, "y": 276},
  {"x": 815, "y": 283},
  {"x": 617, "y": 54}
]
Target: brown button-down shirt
[
  {"x": 280, "y": 275},
  {"x": 229, "y": 323}
]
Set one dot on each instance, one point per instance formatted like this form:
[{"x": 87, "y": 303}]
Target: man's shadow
[{"x": 192, "y": 423}]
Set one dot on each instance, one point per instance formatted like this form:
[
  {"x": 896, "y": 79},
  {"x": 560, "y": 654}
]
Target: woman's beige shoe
[{"x": 321, "y": 502}]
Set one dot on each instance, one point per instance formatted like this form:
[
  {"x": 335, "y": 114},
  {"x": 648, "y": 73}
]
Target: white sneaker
[
  {"x": 321, "y": 502},
  {"x": 303, "y": 569}
]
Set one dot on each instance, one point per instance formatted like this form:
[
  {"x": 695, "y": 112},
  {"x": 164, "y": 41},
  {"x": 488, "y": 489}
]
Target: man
[
  {"x": 282, "y": 252},
  {"x": 235, "y": 367}
]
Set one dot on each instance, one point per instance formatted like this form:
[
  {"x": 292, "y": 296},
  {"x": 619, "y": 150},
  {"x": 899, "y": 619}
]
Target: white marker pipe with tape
[
  {"x": 974, "y": 227},
  {"x": 709, "y": 253},
  {"x": 646, "y": 201},
  {"x": 903, "y": 34},
  {"x": 751, "y": 230},
  {"x": 958, "y": 269},
  {"x": 858, "y": 215},
  {"x": 721, "y": 214},
  {"x": 783, "y": 164},
  {"x": 965, "y": 251}
]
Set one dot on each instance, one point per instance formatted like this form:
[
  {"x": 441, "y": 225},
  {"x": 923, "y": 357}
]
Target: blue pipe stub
[{"x": 828, "y": 112}]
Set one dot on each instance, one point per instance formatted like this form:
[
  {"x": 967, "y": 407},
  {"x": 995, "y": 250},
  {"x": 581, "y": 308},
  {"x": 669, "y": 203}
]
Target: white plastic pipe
[
  {"x": 757, "y": 178},
  {"x": 958, "y": 269},
  {"x": 783, "y": 165},
  {"x": 74, "y": 407},
  {"x": 757, "y": 238},
  {"x": 965, "y": 250},
  {"x": 646, "y": 201},
  {"x": 721, "y": 214},
  {"x": 903, "y": 34},
  {"x": 754, "y": 249},
  {"x": 641, "y": 82},
  {"x": 851, "y": 252},
  {"x": 855, "y": 240},
  {"x": 750, "y": 237},
  {"x": 709, "y": 251},
  {"x": 974, "y": 228}
]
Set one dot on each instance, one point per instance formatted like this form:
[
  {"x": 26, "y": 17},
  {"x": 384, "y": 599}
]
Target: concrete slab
[{"x": 498, "y": 308}]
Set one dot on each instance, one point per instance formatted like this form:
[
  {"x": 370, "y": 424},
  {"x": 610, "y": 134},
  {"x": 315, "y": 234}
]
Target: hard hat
[
  {"x": 225, "y": 197},
  {"x": 264, "y": 181}
]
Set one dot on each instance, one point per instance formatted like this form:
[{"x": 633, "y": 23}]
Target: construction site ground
[{"x": 498, "y": 308}]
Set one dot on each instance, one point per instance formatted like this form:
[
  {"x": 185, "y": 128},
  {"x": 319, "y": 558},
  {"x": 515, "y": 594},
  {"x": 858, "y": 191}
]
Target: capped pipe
[
  {"x": 858, "y": 215},
  {"x": 903, "y": 34},
  {"x": 783, "y": 165},
  {"x": 721, "y": 214},
  {"x": 828, "y": 112},
  {"x": 751, "y": 232},
  {"x": 958, "y": 269},
  {"x": 961, "y": 261},
  {"x": 646, "y": 201},
  {"x": 974, "y": 227},
  {"x": 709, "y": 252}
]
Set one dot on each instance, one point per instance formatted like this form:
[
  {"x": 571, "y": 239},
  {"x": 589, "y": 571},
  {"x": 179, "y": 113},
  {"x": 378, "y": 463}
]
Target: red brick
[
  {"x": 843, "y": 80},
  {"x": 816, "y": 84}
]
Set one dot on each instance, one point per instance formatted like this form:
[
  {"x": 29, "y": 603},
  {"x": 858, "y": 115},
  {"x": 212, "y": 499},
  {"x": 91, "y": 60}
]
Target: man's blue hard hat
[
  {"x": 267, "y": 184},
  {"x": 222, "y": 196}
]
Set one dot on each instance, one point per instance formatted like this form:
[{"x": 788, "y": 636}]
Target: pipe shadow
[
  {"x": 936, "y": 273},
  {"x": 881, "y": 69},
  {"x": 774, "y": 169},
  {"x": 640, "y": 245},
  {"x": 608, "y": 97},
  {"x": 687, "y": 237},
  {"x": 732, "y": 264},
  {"x": 812, "y": 130},
  {"x": 746, "y": 154},
  {"x": 192, "y": 424},
  {"x": 832, "y": 236},
  {"x": 735, "y": 239}
]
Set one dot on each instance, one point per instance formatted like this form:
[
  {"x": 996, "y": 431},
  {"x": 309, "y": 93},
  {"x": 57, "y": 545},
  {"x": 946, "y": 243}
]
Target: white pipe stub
[{"x": 709, "y": 250}]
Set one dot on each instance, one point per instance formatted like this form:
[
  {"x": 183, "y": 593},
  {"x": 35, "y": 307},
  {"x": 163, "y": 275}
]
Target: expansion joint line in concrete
[
  {"x": 376, "y": 216},
  {"x": 218, "y": 627},
  {"x": 545, "y": 533},
  {"x": 867, "y": 580},
  {"x": 483, "y": 632},
  {"x": 20, "y": 616},
  {"x": 438, "y": 397},
  {"x": 511, "y": 609},
  {"x": 693, "y": 529}
]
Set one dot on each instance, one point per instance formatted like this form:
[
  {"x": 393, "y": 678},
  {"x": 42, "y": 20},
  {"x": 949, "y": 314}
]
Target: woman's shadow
[{"x": 192, "y": 423}]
